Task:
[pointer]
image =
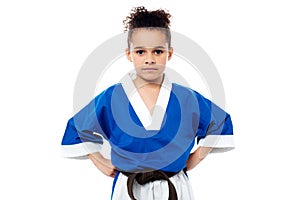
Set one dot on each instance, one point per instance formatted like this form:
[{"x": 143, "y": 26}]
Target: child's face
[{"x": 149, "y": 53}]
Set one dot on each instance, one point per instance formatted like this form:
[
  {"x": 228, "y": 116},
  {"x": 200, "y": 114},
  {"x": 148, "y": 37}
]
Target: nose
[{"x": 150, "y": 59}]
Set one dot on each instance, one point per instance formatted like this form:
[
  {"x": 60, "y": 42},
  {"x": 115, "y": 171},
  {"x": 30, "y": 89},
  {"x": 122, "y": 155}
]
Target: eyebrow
[{"x": 156, "y": 47}]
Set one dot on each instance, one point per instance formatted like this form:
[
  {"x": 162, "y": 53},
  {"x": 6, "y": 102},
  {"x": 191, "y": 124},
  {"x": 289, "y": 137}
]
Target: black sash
[{"x": 146, "y": 177}]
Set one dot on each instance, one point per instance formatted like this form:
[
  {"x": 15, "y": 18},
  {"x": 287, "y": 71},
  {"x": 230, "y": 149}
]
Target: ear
[
  {"x": 170, "y": 53},
  {"x": 128, "y": 54}
]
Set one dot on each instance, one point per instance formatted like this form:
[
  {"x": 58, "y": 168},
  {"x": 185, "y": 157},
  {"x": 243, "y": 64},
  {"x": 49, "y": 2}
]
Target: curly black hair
[{"x": 140, "y": 17}]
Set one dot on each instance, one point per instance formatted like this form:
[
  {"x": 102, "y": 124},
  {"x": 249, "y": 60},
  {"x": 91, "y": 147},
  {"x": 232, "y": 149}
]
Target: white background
[{"x": 254, "y": 44}]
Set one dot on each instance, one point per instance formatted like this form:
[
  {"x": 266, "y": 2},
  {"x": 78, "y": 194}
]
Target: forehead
[{"x": 148, "y": 38}]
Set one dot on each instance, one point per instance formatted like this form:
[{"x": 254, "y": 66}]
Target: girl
[{"x": 150, "y": 123}]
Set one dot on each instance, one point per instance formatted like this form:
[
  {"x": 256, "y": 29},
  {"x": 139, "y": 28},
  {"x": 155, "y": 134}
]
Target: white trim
[
  {"x": 136, "y": 102},
  {"x": 81, "y": 150},
  {"x": 161, "y": 105},
  {"x": 220, "y": 143},
  {"x": 149, "y": 122}
]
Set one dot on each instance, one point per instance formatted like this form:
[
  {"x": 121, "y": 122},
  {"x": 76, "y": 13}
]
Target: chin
[{"x": 152, "y": 78}]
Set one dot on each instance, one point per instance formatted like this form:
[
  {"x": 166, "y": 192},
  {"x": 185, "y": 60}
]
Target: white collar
[{"x": 149, "y": 122}]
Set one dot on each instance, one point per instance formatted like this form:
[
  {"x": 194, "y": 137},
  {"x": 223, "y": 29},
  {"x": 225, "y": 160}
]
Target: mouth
[{"x": 149, "y": 69}]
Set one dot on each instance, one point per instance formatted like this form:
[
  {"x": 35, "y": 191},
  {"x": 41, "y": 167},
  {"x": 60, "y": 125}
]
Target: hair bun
[{"x": 140, "y": 17}]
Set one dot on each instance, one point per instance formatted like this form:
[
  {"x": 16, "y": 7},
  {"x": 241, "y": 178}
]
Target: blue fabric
[
  {"x": 114, "y": 183},
  {"x": 188, "y": 116}
]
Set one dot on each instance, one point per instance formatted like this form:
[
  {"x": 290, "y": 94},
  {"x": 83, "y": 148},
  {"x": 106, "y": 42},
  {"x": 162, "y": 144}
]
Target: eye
[
  {"x": 158, "y": 51},
  {"x": 140, "y": 52}
]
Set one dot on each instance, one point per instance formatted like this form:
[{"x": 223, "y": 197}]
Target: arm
[
  {"x": 84, "y": 134},
  {"x": 103, "y": 164},
  {"x": 197, "y": 156}
]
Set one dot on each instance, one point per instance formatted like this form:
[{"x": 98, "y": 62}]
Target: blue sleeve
[
  {"x": 86, "y": 129},
  {"x": 215, "y": 126}
]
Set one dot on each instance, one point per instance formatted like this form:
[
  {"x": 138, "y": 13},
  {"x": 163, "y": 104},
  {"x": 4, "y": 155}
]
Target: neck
[{"x": 139, "y": 82}]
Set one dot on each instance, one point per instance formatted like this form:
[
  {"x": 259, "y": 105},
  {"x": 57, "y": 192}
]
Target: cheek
[
  {"x": 162, "y": 60},
  {"x": 137, "y": 63},
  {"x": 137, "y": 59}
]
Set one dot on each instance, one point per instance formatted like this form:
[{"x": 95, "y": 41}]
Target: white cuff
[
  {"x": 81, "y": 150},
  {"x": 220, "y": 143}
]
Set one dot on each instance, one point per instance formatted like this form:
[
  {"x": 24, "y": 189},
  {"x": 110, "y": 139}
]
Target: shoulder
[
  {"x": 187, "y": 91},
  {"x": 180, "y": 88},
  {"x": 206, "y": 106},
  {"x": 191, "y": 97},
  {"x": 107, "y": 93}
]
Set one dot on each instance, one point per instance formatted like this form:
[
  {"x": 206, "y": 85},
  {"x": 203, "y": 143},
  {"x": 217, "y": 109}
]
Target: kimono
[{"x": 140, "y": 141}]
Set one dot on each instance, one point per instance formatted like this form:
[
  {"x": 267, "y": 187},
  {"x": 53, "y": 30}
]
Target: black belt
[{"x": 146, "y": 177}]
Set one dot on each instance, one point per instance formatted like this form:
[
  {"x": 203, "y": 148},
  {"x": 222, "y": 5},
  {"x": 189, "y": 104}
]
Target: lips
[{"x": 149, "y": 69}]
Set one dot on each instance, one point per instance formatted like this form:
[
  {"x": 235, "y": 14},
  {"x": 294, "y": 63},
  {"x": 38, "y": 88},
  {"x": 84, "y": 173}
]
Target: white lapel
[{"x": 149, "y": 122}]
